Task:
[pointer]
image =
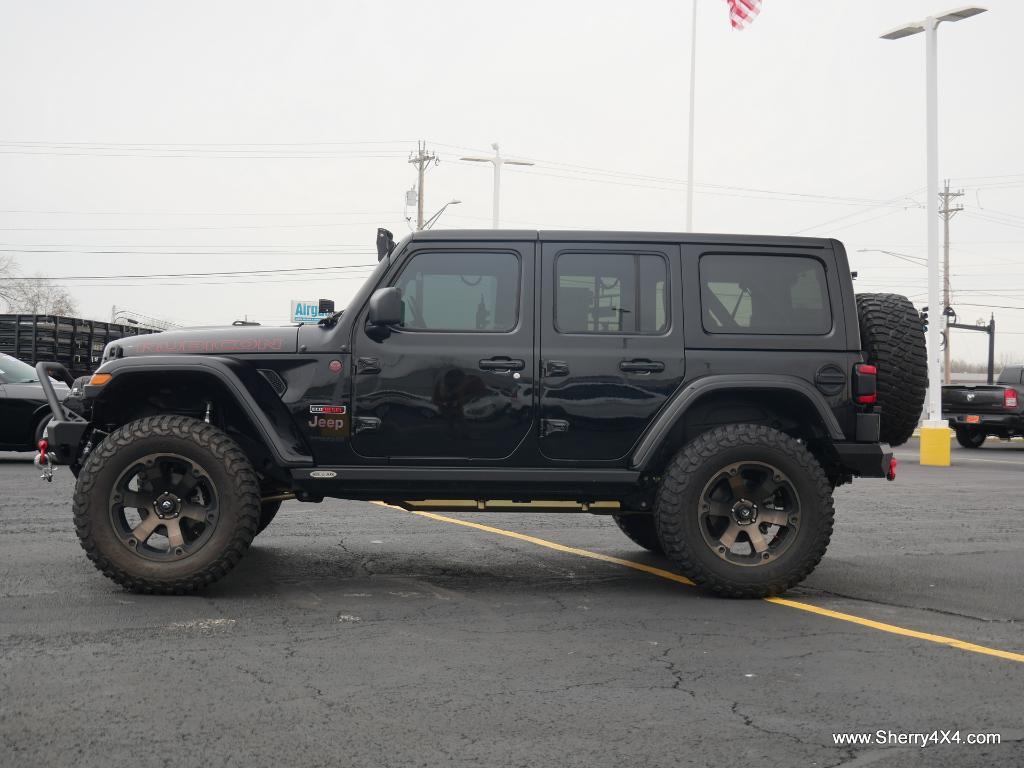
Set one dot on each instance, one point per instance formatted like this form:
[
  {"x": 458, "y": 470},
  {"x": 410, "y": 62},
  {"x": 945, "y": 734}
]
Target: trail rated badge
[{"x": 329, "y": 420}]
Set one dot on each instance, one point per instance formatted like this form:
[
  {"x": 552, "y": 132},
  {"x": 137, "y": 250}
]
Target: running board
[
  {"x": 507, "y": 505},
  {"x": 433, "y": 474}
]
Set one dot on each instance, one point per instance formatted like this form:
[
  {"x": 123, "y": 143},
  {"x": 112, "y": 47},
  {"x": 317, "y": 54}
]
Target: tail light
[
  {"x": 1009, "y": 398},
  {"x": 865, "y": 384}
]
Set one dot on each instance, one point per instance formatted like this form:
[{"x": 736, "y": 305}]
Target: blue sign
[{"x": 307, "y": 312}]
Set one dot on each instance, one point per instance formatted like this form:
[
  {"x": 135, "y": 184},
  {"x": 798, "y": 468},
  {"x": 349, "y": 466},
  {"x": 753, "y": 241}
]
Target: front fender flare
[
  {"x": 279, "y": 435},
  {"x": 681, "y": 401}
]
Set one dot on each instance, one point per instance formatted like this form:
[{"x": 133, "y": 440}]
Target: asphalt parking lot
[{"x": 354, "y": 634}]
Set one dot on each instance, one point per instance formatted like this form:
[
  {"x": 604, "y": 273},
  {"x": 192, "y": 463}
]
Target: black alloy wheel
[
  {"x": 164, "y": 507},
  {"x": 750, "y": 513}
]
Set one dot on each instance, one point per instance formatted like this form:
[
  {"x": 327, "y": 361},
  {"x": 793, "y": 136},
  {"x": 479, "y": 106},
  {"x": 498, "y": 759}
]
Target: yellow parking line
[
  {"x": 662, "y": 573},
  {"x": 894, "y": 630},
  {"x": 557, "y": 547}
]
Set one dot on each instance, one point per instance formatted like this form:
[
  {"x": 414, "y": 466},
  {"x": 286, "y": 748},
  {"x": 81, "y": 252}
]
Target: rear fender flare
[{"x": 683, "y": 399}]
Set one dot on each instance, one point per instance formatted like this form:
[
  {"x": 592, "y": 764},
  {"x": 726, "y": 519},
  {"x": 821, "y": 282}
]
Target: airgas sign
[{"x": 307, "y": 312}]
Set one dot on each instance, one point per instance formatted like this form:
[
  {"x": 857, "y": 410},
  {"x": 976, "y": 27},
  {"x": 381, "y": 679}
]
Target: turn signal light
[
  {"x": 1010, "y": 398},
  {"x": 99, "y": 379}
]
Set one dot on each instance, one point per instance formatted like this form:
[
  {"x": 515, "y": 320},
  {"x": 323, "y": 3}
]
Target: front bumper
[
  {"x": 866, "y": 459},
  {"x": 66, "y": 429}
]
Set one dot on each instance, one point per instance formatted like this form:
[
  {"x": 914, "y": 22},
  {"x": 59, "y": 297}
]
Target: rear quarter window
[{"x": 764, "y": 294}]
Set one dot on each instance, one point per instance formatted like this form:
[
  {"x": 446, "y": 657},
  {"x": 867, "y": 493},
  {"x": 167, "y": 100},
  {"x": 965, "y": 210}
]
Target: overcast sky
[{"x": 223, "y": 136}]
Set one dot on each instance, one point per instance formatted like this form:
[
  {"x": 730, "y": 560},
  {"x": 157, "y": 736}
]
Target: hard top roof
[{"x": 619, "y": 236}]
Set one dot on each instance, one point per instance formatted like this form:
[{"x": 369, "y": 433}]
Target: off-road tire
[
  {"x": 641, "y": 529},
  {"x": 268, "y": 511},
  {"x": 970, "y": 438},
  {"x": 237, "y": 487},
  {"x": 892, "y": 336},
  {"x": 678, "y": 521}
]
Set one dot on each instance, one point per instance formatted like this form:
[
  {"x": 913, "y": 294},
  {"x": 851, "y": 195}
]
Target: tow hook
[
  {"x": 892, "y": 469},
  {"x": 44, "y": 461}
]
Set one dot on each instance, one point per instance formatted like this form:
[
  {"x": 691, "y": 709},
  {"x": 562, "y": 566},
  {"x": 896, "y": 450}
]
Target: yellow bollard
[{"x": 935, "y": 448}]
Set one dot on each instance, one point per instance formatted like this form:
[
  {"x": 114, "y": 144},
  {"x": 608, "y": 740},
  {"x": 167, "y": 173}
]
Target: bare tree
[
  {"x": 36, "y": 295},
  {"x": 8, "y": 270}
]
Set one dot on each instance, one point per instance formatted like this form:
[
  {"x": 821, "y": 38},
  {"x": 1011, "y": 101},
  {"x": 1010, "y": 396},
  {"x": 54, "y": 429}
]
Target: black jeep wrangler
[{"x": 708, "y": 391}]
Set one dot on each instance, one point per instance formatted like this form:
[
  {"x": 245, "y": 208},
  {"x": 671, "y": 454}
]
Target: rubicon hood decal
[{"x": 212, "y": 341}]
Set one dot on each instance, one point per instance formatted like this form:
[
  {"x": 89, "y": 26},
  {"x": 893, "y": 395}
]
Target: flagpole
[{"x": 689, "y": 152}]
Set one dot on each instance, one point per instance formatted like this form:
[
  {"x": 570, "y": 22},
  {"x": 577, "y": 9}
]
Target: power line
[
  {"x": 250, "y": 272},
  {"x": 37, "y": 212},
  {"x": 192, "y": 229}
]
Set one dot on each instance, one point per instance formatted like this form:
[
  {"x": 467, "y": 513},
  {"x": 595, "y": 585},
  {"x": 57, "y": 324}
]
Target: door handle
[
  {"x": 502, "y": 364},
  {"x": 365, "y": 424},
  {"x": 642, "y": 366},
  {"x": 556, "y": 368},
  {"x": 367, "y": 365}
]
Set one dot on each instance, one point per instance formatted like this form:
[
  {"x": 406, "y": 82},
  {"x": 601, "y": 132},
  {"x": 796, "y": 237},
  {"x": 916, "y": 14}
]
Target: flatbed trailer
[{"x": 74, "y": 342}]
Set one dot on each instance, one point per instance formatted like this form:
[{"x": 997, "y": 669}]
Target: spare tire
[{"x": 892, "y": 337}]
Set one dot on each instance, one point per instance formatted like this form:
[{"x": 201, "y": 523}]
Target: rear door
[
  {"x": 611, "y": 345},
  {"x": 455, "y": 379}
]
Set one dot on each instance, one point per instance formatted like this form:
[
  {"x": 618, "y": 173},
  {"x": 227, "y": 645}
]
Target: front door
[
  {"x": 455, "y": 379},
  {"x": 611, "y": 345}
]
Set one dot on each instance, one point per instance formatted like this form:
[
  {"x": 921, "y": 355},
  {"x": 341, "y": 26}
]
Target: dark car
[
  {"x": 23, "y": 408},
  {"x": 709, "y": 391},
  {"x": 976, "y": 412}
]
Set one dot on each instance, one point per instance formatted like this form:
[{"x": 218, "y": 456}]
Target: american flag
[{"x": 743, "y": 12}]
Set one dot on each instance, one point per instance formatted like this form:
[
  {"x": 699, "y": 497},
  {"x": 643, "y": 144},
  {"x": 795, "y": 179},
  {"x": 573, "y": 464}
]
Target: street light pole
[
  {"x": 433, "y": 219},
  {"x": 932, "y": 150},
  {"x": 497, "y": 161},
  {"x": 689, "y": 148},
  {"x": 935, "y": 431}
]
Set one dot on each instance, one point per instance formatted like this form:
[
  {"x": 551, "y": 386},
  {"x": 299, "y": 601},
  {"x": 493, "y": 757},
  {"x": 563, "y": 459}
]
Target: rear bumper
[
  {"x": 1012, "y": 422},
  {"x": 865, "y": 459}
]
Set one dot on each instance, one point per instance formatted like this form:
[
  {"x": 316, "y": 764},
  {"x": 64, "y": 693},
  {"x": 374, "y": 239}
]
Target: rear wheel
[
  {"x": 970, "y": 438},
  {"x": 744, "y": 511},
  {"x": 166, "y": 504},
  {"x": 641, "y": 529},
  {"x": 892, "y": 335}
]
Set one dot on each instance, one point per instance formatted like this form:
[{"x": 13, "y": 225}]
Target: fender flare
[
  {"x": 281, "y": 446},
  {"x": 680, "y": 402}
]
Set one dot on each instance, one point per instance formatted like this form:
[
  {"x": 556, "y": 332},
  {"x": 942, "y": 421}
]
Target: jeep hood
[{"x": 230, "y": 340}]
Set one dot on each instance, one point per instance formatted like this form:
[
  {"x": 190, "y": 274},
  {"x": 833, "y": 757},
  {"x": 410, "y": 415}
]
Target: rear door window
[
  {"x": 764, "y": 294},
  {"x": 609, "y": 292}
]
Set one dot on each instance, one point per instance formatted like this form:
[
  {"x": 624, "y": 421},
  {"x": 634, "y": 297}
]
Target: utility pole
[
  {"x": 947, "y": 212},
  {"x": 421, "y": 159}
]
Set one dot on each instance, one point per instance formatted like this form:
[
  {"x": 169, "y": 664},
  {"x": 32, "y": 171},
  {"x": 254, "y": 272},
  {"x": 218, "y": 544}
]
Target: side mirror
[{"x": 386, "y": 308}]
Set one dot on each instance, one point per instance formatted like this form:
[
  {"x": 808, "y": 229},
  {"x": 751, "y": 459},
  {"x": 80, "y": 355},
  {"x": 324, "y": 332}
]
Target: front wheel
[
  {"x": 268, "y": 511},
  {"x": 970, "y": 438},
  {"x": 744, "y": 511},
  {"x": 166, "y": 504}
]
